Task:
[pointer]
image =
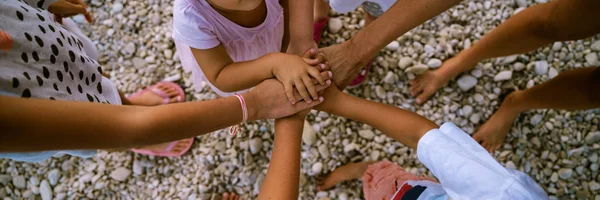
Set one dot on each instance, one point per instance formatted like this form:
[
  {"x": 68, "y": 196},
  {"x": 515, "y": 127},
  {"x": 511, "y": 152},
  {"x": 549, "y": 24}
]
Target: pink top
[{"x": 196, "y": 24}]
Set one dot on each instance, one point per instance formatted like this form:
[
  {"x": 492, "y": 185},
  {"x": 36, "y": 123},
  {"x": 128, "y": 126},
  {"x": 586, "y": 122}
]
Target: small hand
[
  {"x": 69, "y": 8},
  {"x": 298, "y": 74}
]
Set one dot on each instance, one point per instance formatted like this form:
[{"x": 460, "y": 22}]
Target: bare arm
[
  {"x": 404, "y": 126},
  {"x": 347, "y": 59},
  {"x": 283, "y": 175},
  {"x": 230, "y": 76},
  {"x": 298, "y": 26},
  {"x": 38, "y": 125}
]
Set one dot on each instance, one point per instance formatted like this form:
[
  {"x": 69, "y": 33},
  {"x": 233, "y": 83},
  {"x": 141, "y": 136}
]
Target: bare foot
[
  {"x": 230, "y": 196},
  {"x": 343, "y": 173},
  {"x": 429, "y": 82},
  {"x": 180, "y": 146},
  {"x": 150, "y": 98},
  {"x": 491, "y": 135}
]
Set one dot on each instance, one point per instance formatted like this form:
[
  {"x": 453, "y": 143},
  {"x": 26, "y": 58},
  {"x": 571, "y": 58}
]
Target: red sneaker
[
  {"x": 361, "y": 77},
  {"x": 318, "y": 29}
]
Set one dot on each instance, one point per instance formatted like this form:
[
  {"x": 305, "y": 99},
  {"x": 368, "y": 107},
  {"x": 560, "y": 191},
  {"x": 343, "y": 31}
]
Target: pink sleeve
[{"x": 191, "y": 28}]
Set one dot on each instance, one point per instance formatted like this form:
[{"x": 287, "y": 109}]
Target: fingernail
[
  {"x": 330, "y": 74},
  {"x": 312, "y": 50},
  {"x": 309, "y": 101},
  {"x": 328, "y": 82},
  {"x": 323, "y": 66},
  {"x": 321, "y": 99}
]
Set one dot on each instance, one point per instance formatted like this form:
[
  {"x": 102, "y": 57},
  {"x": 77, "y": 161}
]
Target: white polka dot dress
[{"x": 42, "y": 59}]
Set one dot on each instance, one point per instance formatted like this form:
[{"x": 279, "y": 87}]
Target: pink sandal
[
  {"x": 180, "y": 98},
  {"x": 318, "y": 29}
]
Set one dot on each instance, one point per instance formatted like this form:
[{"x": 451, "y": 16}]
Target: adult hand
[
  {"x": 69, "y": 8},
  {"x": 342, "y": 63},
  {"x": 268, "y": 100}
]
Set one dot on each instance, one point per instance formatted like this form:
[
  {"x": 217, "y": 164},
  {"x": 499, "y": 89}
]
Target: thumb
[{"x": 310, "y": 53}]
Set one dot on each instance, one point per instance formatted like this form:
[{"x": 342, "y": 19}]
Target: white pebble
[
  {"x": 309, "y": 136},
  {"x": 317, "y": 167},
  {"x": 565, "y": 173},
  {"x": 256, "y": 145},
  {"x": 19, "y": 181},
  {"x": 592, "y": 59},
  {"x": 335, "y": 25},
  {"x": 521, "y": 3},
  {"x": 541, "y": 67},
  {"x": 518, "y": 66},
  {"x": 117, "y": 7},
  {"x": 417, "y": 69},
  {"x": 503, "y": 76},
  {"x": 466, "y": 82},
  {"x": 434, "y": 63},
  {"x": 367, "y": 134},
  {"x": 404, "y": 62},
  {"x": 552, "y": 72},
  {"x": 535, "y": 120},
  {"x": 120, "y": 174},
  {"x": 596, "y": 45},
  {"x": 53, "y": 176},
  {"x": 45, "y": 190},
  {"x": 393, "y": 45}
]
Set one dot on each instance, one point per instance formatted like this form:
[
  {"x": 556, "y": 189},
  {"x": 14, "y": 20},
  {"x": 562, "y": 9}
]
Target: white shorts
[{"x": 467, "y": 171}]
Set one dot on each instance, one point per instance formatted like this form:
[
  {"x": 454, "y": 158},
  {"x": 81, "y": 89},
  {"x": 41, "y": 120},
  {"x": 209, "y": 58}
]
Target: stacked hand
[
  {"x": 69, "y": 8},
  {"x": 302, "y": 73}
]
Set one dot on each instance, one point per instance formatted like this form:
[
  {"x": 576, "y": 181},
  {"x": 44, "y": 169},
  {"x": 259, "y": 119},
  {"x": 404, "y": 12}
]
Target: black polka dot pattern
[
  {"x": 39, "y": 80},
  {"x": 90, "y": 98},
  {"x": 59, "y": 75},
  {"x": 59, "y": 42},
  {"x": 24, "y": 57},
  {"x": 99, "y": 88},
  {"x": 51, "y": 28},
  {"x": 26, "y": 75},
  {"x": 72, "y": 56},
  {"x": 20, "y": 15},
  {"x": 93, "y": 78},
  {"x": 80, "y": 75},
  {"x": 35, "y": 56},
  {"x": 41, "y": 17},
  {"x": 15, "y": 82},
  {"x": 79, "y": 88},
  {"x": 54, "y": 49},
  {"x": 46, "y": 72},
  {"x": 26, "y": 93},
  {"x": 52, "y": 59},
  {"x": 55, "y": 87},
  {"x": 42, "y": 28},
  {"x": 61, "y": 34},
  {"x": 27, "y": 36},
  {"x": 40, "y": 4},
  {"x": 66, "y": 66},
  {"x": 71, "y": 74},
  {"x": 39, "y": 41}
]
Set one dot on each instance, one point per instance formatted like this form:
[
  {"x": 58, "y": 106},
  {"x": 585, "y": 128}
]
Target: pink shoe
[
  {"x": 318, "y": 29},
  {"x": 361, "y": 77},
  {"x": 181, "y": 97}
]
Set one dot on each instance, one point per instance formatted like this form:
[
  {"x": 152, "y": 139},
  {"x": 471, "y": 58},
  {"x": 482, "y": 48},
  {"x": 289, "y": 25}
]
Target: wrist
[
  {"x": 358, "y": 55},
  {"x": 252, "y": 106}
]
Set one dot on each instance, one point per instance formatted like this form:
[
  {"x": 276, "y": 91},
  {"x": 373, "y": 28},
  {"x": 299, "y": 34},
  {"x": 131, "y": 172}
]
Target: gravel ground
[{"x": 557, "y": 148}]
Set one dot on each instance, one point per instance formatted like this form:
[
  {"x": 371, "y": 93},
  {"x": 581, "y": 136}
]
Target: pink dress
[{"x": 197, "y": 25}]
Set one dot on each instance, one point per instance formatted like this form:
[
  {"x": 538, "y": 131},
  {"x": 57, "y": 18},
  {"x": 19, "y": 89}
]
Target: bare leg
[
  {"x": 321, "y": 10},
  {"x": 341, "y": 174},
  {"x": 571, "y": 90},
  {"x": 559, "y": 20}
]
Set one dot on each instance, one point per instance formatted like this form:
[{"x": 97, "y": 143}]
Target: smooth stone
[
  {"x": 393, "y": 45},
  {"x": 120, "y": 174},
  {"x": 530, "y": 83},
  {"x": 592, "y": 137},
  {"x": 541, "y": 67},
  {"x": 139, "y": 63},
  {"x": 593, "y": 185},
  {"x": 434, "y": 63},
  {"x": 417, "y": 69},
  {"x": 554, "y": 177},
  {"x": 323, "y": 151},
  {"x": 509, "y": 59},
  {"x": 521, "y": 3},
  {"x": 5, "y": 179},
  {"x": 503, "y": 76},
  {"x": 477, "y": 73},
  {"x": 137, "y": 167},
  {"x": 557, "y": 46},
  {"x": 596, "y": 45},
  {"x": 367, "y": 134},
  {"x": 317, "y": 167},
  {"x": 309, "y": 136},
  {"x": 535, "y": 120},
  {"x": 389, "y": 78},
  {"x": 552, "y": 72},
  {"x": 256, "y": 145},
  {"x": 518, "y": 66},
  {"x": 45, "y": 190},
  {"x": 592, "y": 59},
  {"x": 466, "y": 82},
  {"x": 475, "y": 118},
  {"x": 404, "y": 62},
  {"x": 380, "y": 92},
  {"x": 53, "y": 176},
  {"x": 565, "y": 173},
  {"x": 467, "y": 110},
  {"x": 335, "y": 25},
  {"x": 19, "y": 182},
  {"x": 117, "y": 7}
]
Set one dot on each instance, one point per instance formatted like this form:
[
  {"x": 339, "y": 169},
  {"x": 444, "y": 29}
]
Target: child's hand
[
  {"x": 69, "y": 8},
  {"x": 298, "y": 72}
]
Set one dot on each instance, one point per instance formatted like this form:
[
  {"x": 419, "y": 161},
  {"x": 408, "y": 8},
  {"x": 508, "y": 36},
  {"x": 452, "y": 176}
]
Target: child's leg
[
  {"x": 571, "y": 90},
  {"x": 541, "y": 24},
  {"x": 341, "y": 174}
]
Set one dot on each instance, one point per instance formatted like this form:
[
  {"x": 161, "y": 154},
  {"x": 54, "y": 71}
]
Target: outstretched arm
[
  {"x": 40, "y": 125},
  {"x": 283, "y": 174},
  {"x": 404, "y": 126},
  {"x": 347, "y": 59},
  {"x": 298, "y": 35}
]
